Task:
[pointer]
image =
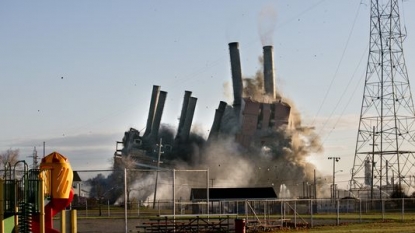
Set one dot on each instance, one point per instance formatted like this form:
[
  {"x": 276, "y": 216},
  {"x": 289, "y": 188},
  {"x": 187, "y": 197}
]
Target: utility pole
[
  {"x": 315, "y": 185},
  {"x": 333, "y": 192},
  {"x": 160, "y": 146}
]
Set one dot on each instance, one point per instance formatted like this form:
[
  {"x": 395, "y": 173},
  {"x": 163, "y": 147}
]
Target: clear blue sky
[{"x": 78, "y": 74}]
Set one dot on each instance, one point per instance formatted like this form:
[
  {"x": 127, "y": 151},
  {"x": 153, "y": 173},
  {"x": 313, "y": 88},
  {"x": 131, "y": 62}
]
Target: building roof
[
  {"x": 76, "y": 177},
  {"x": 199, "y": 194}
]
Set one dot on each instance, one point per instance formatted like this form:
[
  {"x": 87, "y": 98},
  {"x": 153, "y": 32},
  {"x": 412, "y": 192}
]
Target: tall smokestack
[
  {"x": 189, "y": 118},
  {"x": 236, "y": 74},
  {"x": 217, "y": 120},
  {"x": 151, "y": 111},
  {"x": 186, "y": 99},
  {"x": 158, "y": 114},
  {"x": 269, "y": 78}
]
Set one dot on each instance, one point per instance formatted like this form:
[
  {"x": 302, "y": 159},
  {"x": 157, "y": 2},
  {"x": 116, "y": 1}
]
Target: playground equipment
[{"x": 23, "y": 195}]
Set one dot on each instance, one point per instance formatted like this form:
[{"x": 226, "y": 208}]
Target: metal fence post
[
  {"x": 1, "y": 205},
  {"x": 295, "y": 214},
  {"x": 311, "y": 211},
  {"x": 108, "y": 202},
  {"x": 125, "y": 201},
  {"x": 86, "y": 207},
  {"x": 281, "y": 210},
  {"x": 246, "y": 210},
  {"x": 265, "y": 211},
  {"x": 338, "y": 212}
]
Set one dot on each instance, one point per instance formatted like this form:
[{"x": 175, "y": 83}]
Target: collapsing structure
[
  {"x": 255, "y": 118},
  {"x": 142, "y": 146},
  {"x": 252, "y": 119}
]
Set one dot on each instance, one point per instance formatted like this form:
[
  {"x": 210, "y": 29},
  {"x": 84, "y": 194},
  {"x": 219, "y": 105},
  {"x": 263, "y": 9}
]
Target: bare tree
[
  {"x": 117, "y": 177},
  {"x": 9, "y": 157},
  {"x": 98, "y": 184}
]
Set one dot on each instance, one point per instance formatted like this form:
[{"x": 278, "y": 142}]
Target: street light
[
  {"x": 335, "y": 185},
  {"x": 333, "y": 191}
]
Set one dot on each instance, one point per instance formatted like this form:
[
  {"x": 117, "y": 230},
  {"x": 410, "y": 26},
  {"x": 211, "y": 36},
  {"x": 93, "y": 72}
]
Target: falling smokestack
[
  {"x": 186, "y": 99},
  {"x": 269, "y": 78},
  {"x": 158, "y": 114},
  {"x": 189, "y": 118},
  {"x": 151, "y": 111},
  {"x": 236, "y": 74},
  {"x": 214, "y": 131}
]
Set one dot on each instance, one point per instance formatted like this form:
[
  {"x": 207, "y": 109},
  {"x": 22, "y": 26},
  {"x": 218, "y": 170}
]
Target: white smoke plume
[{"x": 267, "y": 20}]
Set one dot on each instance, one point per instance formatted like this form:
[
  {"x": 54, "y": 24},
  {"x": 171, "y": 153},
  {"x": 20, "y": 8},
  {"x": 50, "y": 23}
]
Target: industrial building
[{"x": 254, "y": 121}]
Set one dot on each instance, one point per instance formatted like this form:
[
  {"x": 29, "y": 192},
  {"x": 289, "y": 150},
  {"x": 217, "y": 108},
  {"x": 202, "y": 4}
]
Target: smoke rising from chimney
[{"x": 267, "y": 20}]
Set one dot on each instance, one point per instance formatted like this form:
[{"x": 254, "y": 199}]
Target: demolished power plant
[{"x": 257, "y": 141}]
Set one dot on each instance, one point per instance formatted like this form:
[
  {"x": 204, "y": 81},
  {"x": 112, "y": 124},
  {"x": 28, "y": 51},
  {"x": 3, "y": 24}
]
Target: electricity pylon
[{"x": 384, "y": 156}]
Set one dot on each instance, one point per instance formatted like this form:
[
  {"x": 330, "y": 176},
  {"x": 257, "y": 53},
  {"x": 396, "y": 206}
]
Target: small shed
[
  {"x": 76, "y": 177},
  {"x": 229, "y": 200},
  {"x": 221, "y": 194}
]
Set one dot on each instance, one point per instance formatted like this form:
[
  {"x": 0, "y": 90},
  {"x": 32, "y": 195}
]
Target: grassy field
[
  {"x": 370, "y": 222},
  {"x": 114, "y": 225},
  {"x": 117, "y": 226},
  {"x": 388, "y": 226}
]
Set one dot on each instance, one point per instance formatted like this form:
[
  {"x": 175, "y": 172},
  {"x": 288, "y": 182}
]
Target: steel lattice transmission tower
[{"x": 384, "y": 155}]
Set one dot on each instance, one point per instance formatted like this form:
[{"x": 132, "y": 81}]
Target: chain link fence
[{"x": 132, "y": 200}]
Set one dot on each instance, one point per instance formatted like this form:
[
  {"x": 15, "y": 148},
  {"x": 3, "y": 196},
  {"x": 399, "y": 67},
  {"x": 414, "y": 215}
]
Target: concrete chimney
[
  {"x": 236, "y": 74},
  {"x": 151, "y": 111},
  {"x": 157, "y": 117},
  {"x": 186, "y": 99},
  {"x": 189, "y": 119},
  {"x": 269, "y": 79},
  {"x": 217, "y": 120}
]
